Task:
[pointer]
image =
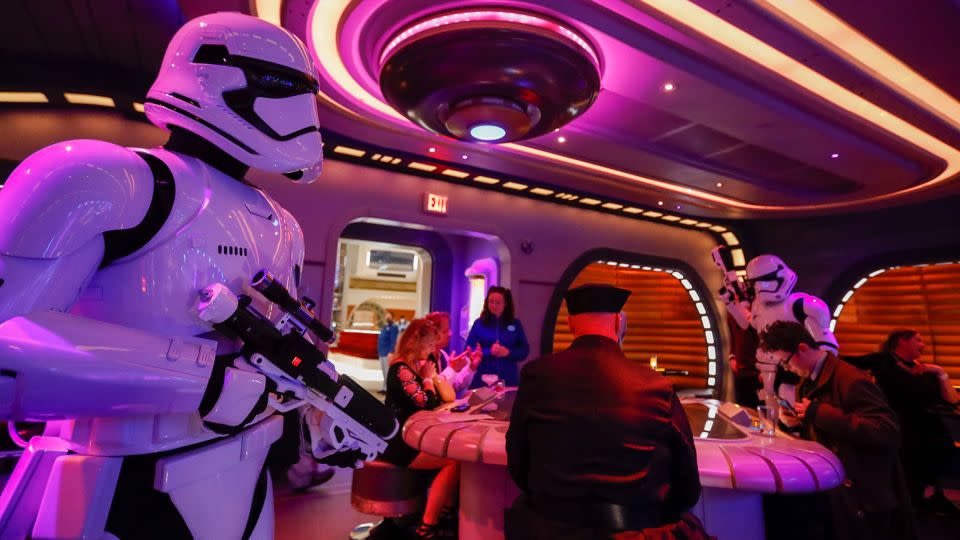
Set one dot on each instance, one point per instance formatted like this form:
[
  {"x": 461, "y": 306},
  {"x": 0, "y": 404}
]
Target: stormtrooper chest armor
[{"x": 219, "y": 230}]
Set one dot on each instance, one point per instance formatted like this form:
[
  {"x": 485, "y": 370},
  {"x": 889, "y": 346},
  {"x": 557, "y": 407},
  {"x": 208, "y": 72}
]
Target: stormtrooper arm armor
[
  {"x": 814, "y": 314},
  {"x": 738, "y": 311},
  {"x": 55, "y": 209},
  {"x": 57, "y": 212},
  {"x": 731, "y": 294}
]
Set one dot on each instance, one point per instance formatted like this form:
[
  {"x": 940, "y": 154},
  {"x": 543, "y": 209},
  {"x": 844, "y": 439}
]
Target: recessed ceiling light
[
  {"x": 659, "y": 203},
  {"x": 561, "y": 139},
  {"x": 719, "y": 184},
  {"x": 487, "y": 132},
  {"x": 834, "y": 155},
  {"x": 464, "y": 156},
  {"x": 432, "y": 150},
  {"x": 669, "y": 87}
]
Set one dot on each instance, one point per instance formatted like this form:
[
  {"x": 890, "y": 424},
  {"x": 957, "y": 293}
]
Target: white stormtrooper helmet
[
  {"x": 771, "y": 279},
  {"x": 245, "y": 85}
]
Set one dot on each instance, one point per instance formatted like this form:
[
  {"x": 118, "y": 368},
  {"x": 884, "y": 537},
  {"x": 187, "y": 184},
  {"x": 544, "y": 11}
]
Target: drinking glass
[
  {"x": 489, "y": 379},
  {"x": 768, "y": 419}
]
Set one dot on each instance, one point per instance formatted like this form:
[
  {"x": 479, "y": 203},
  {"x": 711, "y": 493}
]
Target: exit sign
[{"x": 435, "y": 204}]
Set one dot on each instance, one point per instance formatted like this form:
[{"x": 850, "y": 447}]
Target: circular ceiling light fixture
[
  {"x": 487, "y": 132},
  {"x": 489, "y": 75}
]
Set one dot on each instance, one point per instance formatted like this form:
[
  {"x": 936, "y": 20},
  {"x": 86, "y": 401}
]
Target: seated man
[
  {"x": 919, "y": 393},
  {"x": 599, "y": 444},
  {"x": 840, "y": 408}
]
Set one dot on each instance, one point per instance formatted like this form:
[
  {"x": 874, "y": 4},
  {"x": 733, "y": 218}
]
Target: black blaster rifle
[
  {"x": 355, "y": 425},
  {"x": 734, "y": 289}
]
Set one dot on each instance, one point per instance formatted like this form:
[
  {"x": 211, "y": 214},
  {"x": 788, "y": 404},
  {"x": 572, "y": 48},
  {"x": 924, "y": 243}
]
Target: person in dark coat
[
  {"x": 743, "y": 362},
  {"x": 500, "y": 337},
  {"x": 598, "y": 444},
  {"x": 842, "y": 409},
  {"x": 919, "y": 393},
  {"x": 386, "y": 342}
]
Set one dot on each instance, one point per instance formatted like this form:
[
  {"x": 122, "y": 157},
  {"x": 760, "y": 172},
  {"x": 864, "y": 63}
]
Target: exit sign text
[{"x": 435, "y": 204}]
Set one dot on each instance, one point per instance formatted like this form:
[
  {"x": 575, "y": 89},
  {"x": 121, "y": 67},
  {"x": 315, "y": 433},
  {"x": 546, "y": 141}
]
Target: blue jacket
[
  {"x": 510, "y": 336},
  {"x": 387, "y": 339}
]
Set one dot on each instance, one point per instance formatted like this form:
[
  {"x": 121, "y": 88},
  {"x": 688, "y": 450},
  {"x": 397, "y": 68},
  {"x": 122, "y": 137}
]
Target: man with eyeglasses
[
  {"x": 766, "y": 295},
  {"x": 839, "y": 407}
]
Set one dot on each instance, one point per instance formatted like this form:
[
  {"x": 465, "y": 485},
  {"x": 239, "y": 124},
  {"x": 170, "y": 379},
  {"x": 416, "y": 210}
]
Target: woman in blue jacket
[{"x": 501, "y": 338}]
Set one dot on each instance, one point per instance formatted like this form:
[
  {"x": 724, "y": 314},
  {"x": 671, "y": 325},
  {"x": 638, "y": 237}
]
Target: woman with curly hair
[{"x": 414, "y": 384}]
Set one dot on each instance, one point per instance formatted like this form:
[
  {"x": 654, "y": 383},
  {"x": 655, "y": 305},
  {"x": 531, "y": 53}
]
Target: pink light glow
[{"x": 489, "y": 16}]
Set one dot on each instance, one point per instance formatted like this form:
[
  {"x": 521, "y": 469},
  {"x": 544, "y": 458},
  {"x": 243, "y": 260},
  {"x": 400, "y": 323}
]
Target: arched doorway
[
  {"x": 923, "y": 297},
  {"x": 667, "y": 318}
]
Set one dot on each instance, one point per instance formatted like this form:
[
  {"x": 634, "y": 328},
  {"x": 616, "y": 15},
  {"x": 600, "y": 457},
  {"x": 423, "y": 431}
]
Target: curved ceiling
[
  {"x": 775, "y": 109},
  {"x": 778, "y": 107}
]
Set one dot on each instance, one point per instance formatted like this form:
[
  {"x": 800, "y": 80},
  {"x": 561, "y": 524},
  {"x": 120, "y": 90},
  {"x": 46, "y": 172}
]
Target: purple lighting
[{"x": 495, "y": 16}]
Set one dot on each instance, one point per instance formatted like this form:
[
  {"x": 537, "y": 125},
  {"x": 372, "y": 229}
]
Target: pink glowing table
[{"x": 737, "y": 465}]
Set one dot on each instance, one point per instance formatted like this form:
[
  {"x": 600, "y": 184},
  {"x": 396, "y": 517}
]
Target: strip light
[
  {"x": 490, "y": 16},
  {"x": 89, "y": 99},
  {"x": 455, "y": 174},
  {"x": 347, "y": 151},
  {"x": 23, "y": 97},
  {"x": 844, "y": 40},
  {"x": 269, "y": 10},
  {"x": 833, "y": 33}
]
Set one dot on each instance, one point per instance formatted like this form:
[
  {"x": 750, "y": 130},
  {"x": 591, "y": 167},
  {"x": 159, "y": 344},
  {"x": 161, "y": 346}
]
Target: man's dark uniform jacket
[
  {"x": 915, "y": 396},
  {"x": 849, "y": 415},
  {"x": 590, "y": 427}
]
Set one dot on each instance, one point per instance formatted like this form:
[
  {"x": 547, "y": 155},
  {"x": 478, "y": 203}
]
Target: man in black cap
[{"x": 599, "y": 444}]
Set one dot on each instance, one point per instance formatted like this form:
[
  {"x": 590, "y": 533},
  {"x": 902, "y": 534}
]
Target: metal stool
[{"x": 382, "y": 489}]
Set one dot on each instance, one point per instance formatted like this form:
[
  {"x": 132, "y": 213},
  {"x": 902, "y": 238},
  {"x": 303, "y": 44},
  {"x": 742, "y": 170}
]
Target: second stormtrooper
[{"x": 767, "y": 296}]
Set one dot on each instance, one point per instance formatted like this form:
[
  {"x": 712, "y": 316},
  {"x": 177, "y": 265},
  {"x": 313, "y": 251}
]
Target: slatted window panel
[
  {"x": 661, "y": 320},
  {"x": 925, "y": 298}
]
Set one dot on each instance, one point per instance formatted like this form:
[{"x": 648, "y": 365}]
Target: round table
[{"x": 737, "y": 464}]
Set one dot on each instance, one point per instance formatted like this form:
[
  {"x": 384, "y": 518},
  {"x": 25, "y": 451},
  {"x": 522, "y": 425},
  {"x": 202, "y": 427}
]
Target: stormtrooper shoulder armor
[
  {"x": 68, "y": 193},
  {"x": 806, "y": 306},
  {"x": 814, "y": 314}
]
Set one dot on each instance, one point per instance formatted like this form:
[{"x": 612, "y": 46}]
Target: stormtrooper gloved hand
[{"x": 234, "y": 396}]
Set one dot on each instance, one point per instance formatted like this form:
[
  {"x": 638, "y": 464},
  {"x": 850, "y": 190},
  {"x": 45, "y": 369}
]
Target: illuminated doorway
[
  {"x": 925, "y": 298},
  {"x": 669, "y": 325}
]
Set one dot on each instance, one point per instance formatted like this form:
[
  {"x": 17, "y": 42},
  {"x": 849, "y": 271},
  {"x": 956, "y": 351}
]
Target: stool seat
[{"x": 382, "y": 489}]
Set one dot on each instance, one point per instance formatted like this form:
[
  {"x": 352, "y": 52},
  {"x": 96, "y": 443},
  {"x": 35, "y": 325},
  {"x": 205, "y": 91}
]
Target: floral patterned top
[{"x": 405, "y": 395}]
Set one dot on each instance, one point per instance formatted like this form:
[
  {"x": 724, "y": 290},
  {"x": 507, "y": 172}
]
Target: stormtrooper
[
  {"x": 130, "y": 320},
  {"x": 766, "y": 296}
]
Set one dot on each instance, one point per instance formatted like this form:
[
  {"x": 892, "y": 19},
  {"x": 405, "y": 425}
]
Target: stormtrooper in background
[
  {"x": 103, "y": 250},
  {"x": 767, "y": 296}
]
